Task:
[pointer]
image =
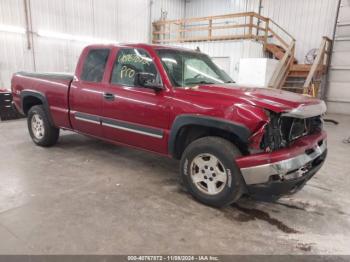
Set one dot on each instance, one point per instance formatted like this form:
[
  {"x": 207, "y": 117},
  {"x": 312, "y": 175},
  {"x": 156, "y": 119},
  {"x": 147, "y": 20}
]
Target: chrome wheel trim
[
  {"x": 37, "y": 125},
  {"x": 208, "y": 174}
]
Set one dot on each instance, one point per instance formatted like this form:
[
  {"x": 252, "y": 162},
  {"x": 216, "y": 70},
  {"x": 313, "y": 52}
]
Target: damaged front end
[
  {"x": 282, "y": 130},
  {"x": 288, "y": 150}
]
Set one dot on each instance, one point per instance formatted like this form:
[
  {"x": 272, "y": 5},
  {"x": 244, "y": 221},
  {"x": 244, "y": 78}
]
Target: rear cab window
[{"x": 94, "y": 65}]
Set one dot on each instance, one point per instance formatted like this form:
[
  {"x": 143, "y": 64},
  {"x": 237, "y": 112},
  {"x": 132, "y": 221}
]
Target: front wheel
[
  {"x": 40, "y": 128},
  {"x": 210, "y": 173}
]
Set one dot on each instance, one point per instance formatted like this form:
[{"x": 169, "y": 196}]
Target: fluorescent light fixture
[
  {"x": 63, "y": 36},
  {"x": 12, "y": 29}
]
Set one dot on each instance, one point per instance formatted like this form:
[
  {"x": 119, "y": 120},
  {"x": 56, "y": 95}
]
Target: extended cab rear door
[
  {"x": 132, "y": 114},
  {"x": 86, "y": 92}
]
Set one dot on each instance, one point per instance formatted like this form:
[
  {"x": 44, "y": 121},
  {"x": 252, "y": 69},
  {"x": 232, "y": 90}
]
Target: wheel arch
[
  {"x": 31, "y": 98},
  {"x": 187, "y": 128}
]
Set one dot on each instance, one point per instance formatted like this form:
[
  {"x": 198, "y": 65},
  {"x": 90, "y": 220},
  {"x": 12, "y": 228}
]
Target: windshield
[{"x": 186, "y": 68}]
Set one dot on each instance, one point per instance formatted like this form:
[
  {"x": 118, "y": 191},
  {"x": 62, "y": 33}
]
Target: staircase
[
  {"x": 301, "y": 78},
  {"x": 276, "y": 41},
  {"x": 277, "y": 51},
  {"x": 297, "y": 73}
]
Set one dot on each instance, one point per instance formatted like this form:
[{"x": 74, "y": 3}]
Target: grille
[
  {"x": 293, "y": 128},
  {"x": 281, "y": 131}
]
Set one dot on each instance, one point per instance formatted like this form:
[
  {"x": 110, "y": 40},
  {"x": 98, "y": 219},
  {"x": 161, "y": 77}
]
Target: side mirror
[{"x": 147, "y": 80}]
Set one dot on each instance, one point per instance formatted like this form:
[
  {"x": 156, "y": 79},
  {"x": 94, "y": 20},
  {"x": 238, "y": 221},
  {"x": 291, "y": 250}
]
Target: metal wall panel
[
  {"x": 343, "y": 30},
  {"x": 235, "y": 50},
  {"x": 119, "y": 21},
  {"x": 306, "y": 20},
  {"x": 341, "y": 58},
  {"x": 108, "y": 19},
  {"x": 11, "y": 12},
  {"x": 232, "y": 49},
  {"x": 341, "y": 46},
  {"x": 14, "y": 56},
  {"x": 338, "y": 90},
  {"x": 13, "y": 52},
  {"x": 344, "y": 15},
  {"x": 195, "y": 8},
  {"x": 338, "y": 95},
  {"x": 175, "y": 9},
  {"x": 339, "y": 75},
  {"x": 338, "y": 107}
]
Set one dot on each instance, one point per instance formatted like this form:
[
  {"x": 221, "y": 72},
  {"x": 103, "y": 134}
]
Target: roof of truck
[{"x": 139, "y": 45}]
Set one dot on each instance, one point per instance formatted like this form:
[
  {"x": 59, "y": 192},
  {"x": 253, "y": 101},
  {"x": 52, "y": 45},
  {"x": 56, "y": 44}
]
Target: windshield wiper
[
  {"x": 230, "y": 81},
  {"x": 200, "y": 82}
]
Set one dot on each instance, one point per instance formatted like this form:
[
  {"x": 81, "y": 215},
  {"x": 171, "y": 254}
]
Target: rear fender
[{"x": 25, "y": 94}]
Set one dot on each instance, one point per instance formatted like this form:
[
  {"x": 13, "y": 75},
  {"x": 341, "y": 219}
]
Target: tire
[
  {"x": 42, "y": 132},
  {"x": 204, "y": 165}
]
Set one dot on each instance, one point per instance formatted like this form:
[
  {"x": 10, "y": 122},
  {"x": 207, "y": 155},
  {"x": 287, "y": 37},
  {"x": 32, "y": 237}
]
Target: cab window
[
  {"x": 130, "y": 62},
  {"x": 188, "y": 68},
  {"x": 94, "y": 65}
]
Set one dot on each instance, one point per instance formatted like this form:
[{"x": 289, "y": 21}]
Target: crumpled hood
[{"x": 272, "y": 99}]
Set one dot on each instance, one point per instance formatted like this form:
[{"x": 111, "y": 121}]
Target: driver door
[{"x": 132, "y": 114}]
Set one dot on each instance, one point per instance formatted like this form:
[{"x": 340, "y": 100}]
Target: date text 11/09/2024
[{"x": 173, "y": 258}]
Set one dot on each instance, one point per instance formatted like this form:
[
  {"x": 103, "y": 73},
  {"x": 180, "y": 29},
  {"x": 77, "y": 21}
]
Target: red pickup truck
[{"x": 231, "y": 140}]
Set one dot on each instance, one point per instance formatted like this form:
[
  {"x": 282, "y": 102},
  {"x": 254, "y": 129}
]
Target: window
[
  {"x": 129, "y": 63},
  {"x": 94, "y": 65},
  {"x": 186, "y": 68},
  {"x": 197, "y": 68}
]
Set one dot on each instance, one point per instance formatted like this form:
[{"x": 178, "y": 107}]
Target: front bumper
[{"x": 284, "y": 171}]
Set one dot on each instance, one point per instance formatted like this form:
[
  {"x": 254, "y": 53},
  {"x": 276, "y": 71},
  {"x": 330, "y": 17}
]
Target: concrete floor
[{"x": 86, "y": 196}]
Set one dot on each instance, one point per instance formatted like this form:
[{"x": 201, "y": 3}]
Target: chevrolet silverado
[{"x": 231, "y": 140}]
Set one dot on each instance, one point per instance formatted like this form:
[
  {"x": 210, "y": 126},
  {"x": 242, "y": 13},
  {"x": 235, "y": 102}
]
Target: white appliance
[{"x": 256, "y": 72}]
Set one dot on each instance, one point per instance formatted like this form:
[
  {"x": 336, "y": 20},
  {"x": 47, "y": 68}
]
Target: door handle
[{"x": 108, "y": 96}]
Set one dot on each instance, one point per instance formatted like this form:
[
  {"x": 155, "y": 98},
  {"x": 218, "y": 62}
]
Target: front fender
[{"x": 241, "y": 131}]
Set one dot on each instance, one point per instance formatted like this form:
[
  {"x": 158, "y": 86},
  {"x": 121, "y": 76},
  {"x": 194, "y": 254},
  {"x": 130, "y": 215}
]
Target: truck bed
[
  {"x": 53, "y": 76},
  {"x": 53, "y": 86}
]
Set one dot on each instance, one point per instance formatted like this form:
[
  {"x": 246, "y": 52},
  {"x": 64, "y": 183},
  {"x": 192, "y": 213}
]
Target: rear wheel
[
  {"x": 210, "y": 173},
  {"x": 40, "y": 128}
]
